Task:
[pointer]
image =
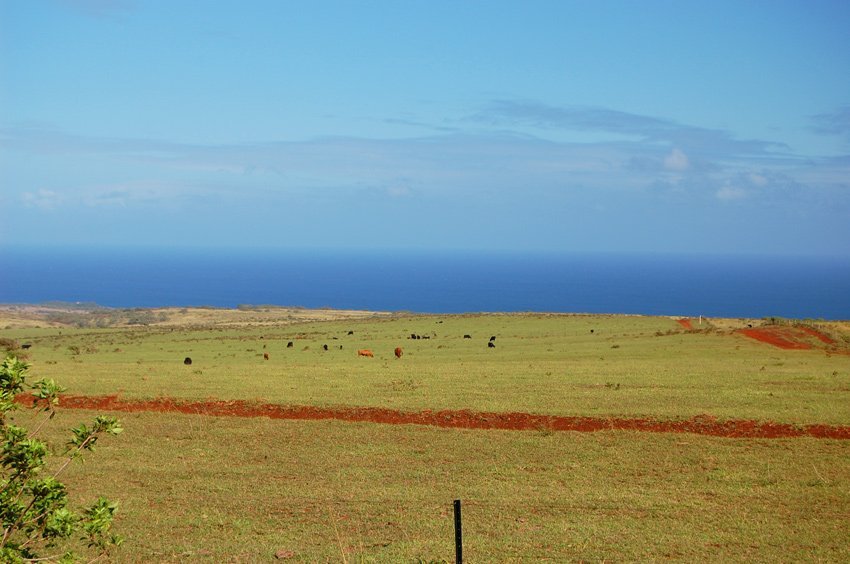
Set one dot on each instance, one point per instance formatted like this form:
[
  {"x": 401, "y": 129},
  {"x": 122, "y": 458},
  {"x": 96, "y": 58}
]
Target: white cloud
[
  {"x": 134, "y": 193},
  {"x": 108, "y": 198},
  {"x": 44, "y": 199},
  {"x": 122, "y": 195},
  {"x": 729, "y": 193},
  {"x": 398, "y": 191},
  {"x": 676, "y": 160},
  {"x": 757, "y": 180}
]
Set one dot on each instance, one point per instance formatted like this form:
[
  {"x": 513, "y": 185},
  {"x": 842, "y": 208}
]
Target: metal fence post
[{"x": 458, "y": 534}]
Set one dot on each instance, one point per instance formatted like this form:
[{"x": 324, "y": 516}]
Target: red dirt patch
[
  {"x": 465, "y": 419},
  {"x": 817, "y": 335},
  {"x": 799, "y": 337},
  {"x": 782, "y": 337},
  {"x": 686, "y": 323}
]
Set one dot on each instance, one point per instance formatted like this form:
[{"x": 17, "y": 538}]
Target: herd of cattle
[{"x": 366, "y": 352}]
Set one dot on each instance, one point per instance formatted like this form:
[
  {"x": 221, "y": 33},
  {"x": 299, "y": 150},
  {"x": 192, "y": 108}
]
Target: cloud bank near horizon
[
  {"x": 506, "y": 147},
  {"x": 502, "y": 170}
]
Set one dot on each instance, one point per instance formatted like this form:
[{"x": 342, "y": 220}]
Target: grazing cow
[
  {"x": 365, "y": 352},
  {"x": 187, "y": 361},
  {"x": 25, "y": 346},
  {"x": 398, "y": 352},
  {"x": 265, "y": 356},
  {"x": 325, "y": 347},
  {"x": 491, "y": 345},
  {"x": 467, "y": 336},
  {"x": 493, "y": 338},
  {"x": 289, "y": 344},
  {"x": 351, "y": 332},
  {"x": 591, "y": 330}
]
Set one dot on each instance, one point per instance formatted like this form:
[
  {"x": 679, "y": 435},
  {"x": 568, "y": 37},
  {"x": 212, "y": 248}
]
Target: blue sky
[{"x": 662, "y": 126}]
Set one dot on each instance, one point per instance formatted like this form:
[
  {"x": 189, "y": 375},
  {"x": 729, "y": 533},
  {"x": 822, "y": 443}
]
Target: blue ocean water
[{"x": 431, "y": 282}]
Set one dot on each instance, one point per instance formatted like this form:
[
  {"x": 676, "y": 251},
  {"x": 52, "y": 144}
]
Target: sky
[{"x": 532, "y": 126}]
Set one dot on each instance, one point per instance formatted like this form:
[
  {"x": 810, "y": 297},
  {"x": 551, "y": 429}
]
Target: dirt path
[{"x": 464, "y": 419}]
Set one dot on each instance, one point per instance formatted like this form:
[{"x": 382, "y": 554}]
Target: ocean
[{"x": 434, "y": 282}]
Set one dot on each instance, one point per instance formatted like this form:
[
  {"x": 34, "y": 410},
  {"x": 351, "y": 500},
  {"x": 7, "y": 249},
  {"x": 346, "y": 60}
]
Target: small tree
[{"x": 37, "y": 525}]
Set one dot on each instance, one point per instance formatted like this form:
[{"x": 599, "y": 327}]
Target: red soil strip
[
  {"x": 799, "y": 337},
  {"x": 686, "y": 323},
  {"x": 464, "y": 419},
  {"x": 782, "y": 337},
  {"x": 817, "y": 334}
]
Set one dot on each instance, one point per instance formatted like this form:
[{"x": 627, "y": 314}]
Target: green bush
[{"x": 37, "y": 523}]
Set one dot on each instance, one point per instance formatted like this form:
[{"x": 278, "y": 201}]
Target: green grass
[
  {"x": 229, "y": 489},
  {"x": 628, "y": 366},
  {"x": 195, "y": 488}
]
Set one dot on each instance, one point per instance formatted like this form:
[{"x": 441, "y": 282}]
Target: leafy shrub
[{"x": 34, "y": 514}]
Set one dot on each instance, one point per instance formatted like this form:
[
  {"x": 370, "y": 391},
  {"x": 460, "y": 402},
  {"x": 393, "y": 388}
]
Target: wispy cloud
[
  {"x": 833, "y": 123},
  {"x": 677, "y": 161},
  {"x": 146, "y": 193},
  {"x": 449, "y": 167},
  {"x": 129, "y": 194},
  {"x": 421, "y": 124},
  {"x": 399, "y": 190},
  {"x": 729, "y": 192},
  {"x": 764, "y": 187},
  {"x": 462, "y": 161},
  {"x": 42, "y": 198},
  {"x": 713, "y": 142},
  {"x": 41, "y": 140}
]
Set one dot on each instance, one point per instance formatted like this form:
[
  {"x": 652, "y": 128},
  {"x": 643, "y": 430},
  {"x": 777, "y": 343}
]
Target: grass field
[{"x": 224, "y": 489}]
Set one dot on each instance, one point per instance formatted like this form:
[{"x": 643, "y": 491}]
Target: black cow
[
  {"x": 493, "y": 338},
  {"x": 289, "y": 344},
  {"x": 325, "y": 347},
  {"x": 187, "y": 361},
  {"x": 25, "y": 346},
  {"x": 491, "y": 345},
  {"x": 467, "y": 336}
]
